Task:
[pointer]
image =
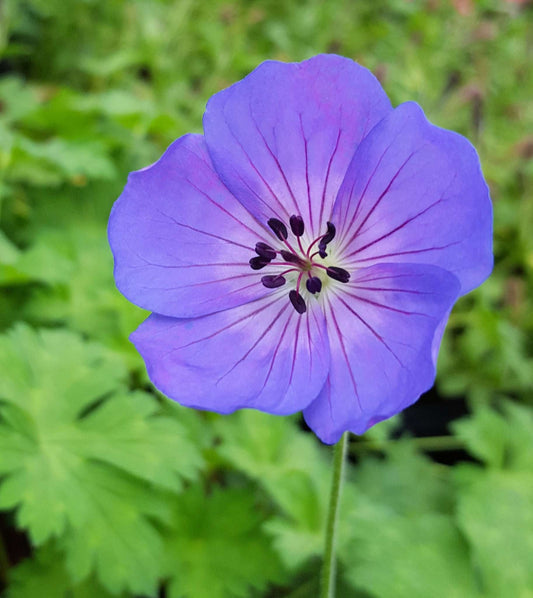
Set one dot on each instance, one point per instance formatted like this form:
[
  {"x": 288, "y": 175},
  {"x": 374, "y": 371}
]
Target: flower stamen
[
  {"x": 292, "y": 258},
  {"x": 265, "y": 251},
  {"x": 339, "y": 274},
  {"x": 256, "y": 263},
  {"x": 300, "y": 261},
  {"x": 323, "y": 240},
  {"x": 313, "y": 285},
  {"x": 297, "y": 225},
  {"x": 335, "y": 272},
  {"x": 297, "y": 302},
  {"x": 273, "y": 281},
  {"x": 278, "y": 228}
]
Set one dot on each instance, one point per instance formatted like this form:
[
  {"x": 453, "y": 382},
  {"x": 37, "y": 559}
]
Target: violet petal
[
  {"x": 381, "y": 327},
  {"x": 180, "y": 240},
  {"x": 282, "y": 138},
  {"x": 415, "y": 193},
  {"x": 260, "y": 355}
]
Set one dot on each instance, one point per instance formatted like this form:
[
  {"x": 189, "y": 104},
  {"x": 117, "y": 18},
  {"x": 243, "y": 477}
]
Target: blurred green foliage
[{"x": 107, "y": 488}]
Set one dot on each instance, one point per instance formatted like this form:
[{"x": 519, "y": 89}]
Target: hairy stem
[{"x": 327, "y": 589}]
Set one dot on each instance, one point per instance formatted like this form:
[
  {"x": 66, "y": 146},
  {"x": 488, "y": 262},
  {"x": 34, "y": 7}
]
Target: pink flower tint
[
  {"x": 305, "y": 252},
  {"x": 464, "y": 7}
]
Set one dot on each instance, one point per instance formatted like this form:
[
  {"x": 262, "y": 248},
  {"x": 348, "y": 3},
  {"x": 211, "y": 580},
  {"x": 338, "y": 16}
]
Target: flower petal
[
  {"x": 181, "y": 241},
  {"x": 415, "y": 193},
  {"x": 381, "y": 330},
  {"x": 282, "y": 138},
  {"x": 261, "y": 355}
]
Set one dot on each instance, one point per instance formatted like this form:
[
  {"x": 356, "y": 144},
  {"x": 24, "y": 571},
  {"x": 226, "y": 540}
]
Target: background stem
[
  {"x": 425, "y": 443},
  {"x": 327, "y": 589}
]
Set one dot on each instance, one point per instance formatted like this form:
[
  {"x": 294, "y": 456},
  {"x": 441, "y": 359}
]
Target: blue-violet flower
[{"x": 306, "y": 251}]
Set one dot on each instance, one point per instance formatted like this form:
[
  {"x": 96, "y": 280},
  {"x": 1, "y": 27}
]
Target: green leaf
[
  {"x": 48, "y": 260},
  {"x": 9, "y": 252},
  {"x": 290, "y": 466},
  {"x": 64, "y": 159},
  {"x": 113, "y": 533},
  {"x": 263, "y": 446},
  {"x": 484, "y": 435},
  {"x": 501, "y": 440},
  {"x": 405, "y": 481},
  {"x": 18, "y": 98},
  {"x": 520, "y": 437},
  {"x": 298, "y": 533},
  {"x": 269, "y": 448},
  {"x": 86, "y": 298},
  {"x": 406, "y": 556},
  {"x": 76, "y": 267},
  {"x": 399, "y": 521},
  {"x": 197, "y": 423},
  {"x": 44, "y": 576},
  {"x": 9, "y": 256},
  {"x": 84, "y": 460},
  {"x": 381, "y": 432},
  {"x": 215, "y": 547},
  {"x": 495, "y": 512},
  {"x": 128, "y": 433},
  {"x": 53, "y": 375},
  {"x": 117, "y": 103}
]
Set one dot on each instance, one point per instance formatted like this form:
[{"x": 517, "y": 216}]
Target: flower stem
[{"x": 327, "y": 588}]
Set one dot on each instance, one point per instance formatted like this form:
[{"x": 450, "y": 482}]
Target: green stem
[{"x": 327, "y": 588}]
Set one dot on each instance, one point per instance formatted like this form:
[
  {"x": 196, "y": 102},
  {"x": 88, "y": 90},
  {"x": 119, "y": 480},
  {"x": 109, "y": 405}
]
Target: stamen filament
[
  {"x": 298, "y": 282},
  {"x": 285, "y": 264},
  {"x": 335, "y": 272},
  {"x": 290, "y": 246},
  {"x": 317, "y": 240},
  {"x": 300, "y": 245},
  {"x": 287, "y": 271},
  {"x": 296, "y": 260}
]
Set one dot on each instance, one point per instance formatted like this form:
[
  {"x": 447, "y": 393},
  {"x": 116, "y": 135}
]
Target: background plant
[{"x": 107, "y": 488}]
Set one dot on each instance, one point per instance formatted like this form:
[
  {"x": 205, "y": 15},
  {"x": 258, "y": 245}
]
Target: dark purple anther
[
  {"x": 279, "y": 229},
  {"x": 273, "y": 281},
  {"x": 314, "y": 284},
  {"x": 297, "y": 225},
  {"x": 292, "y": 258},
  {"x": 264, "y": 250},
  {"x": 327, "y": 238},
  {"x": 256, "y": 263},
  {"x": 297, "y": 302},
  {"x": 339, "y": 274},
  {"x": 330, "y": 235}
]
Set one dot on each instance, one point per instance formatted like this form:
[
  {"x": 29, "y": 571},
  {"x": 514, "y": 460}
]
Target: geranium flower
[{"x": 305, "y": 252}]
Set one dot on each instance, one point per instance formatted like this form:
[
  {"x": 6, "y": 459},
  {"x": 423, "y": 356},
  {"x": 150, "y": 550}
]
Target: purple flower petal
[
  {"x": 437, "y": 338},
  {"x": 181, "y": 242},
  {"x": 262, "y": 355},
  {"x": 282, "y": 138},
  {"x": 306, "y": 254},
  {"x": 415, "y": 193},
  {"x": 381, "y": 328}
]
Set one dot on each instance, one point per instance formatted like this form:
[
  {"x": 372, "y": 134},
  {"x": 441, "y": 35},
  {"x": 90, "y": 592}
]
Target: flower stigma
[{"x": 303, "y": 262}]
